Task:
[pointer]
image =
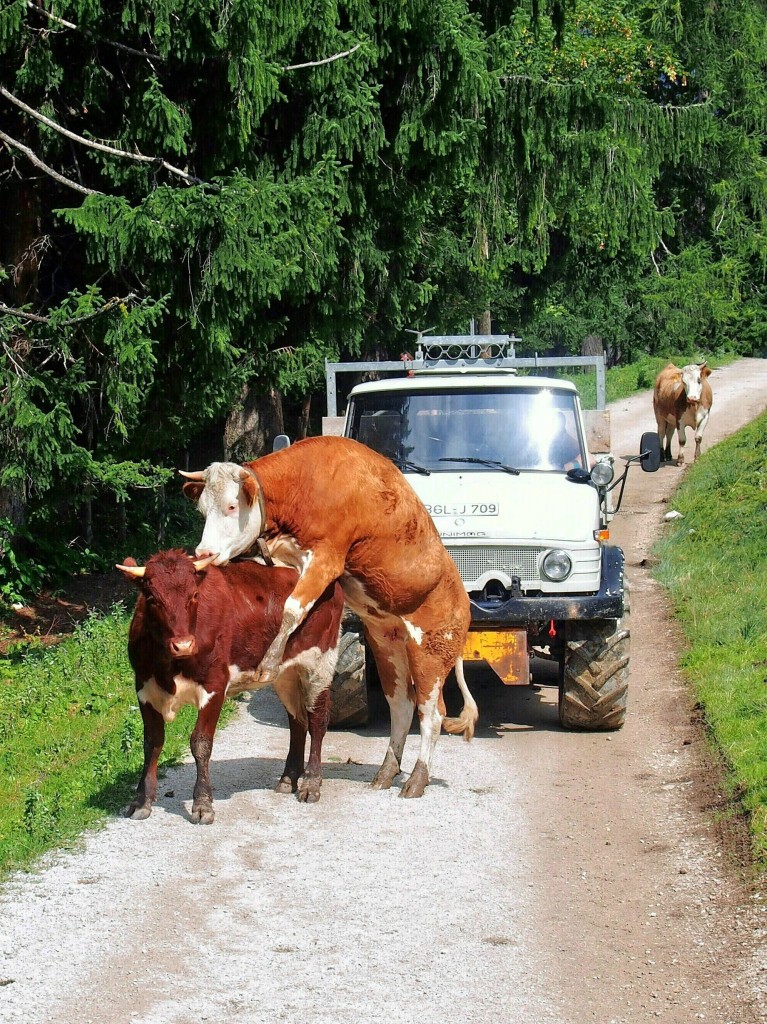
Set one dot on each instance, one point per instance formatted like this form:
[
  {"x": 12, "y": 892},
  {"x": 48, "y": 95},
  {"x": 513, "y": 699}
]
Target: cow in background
[
  {"x": 198, "y": 634},
  {"x": 682, "y": 398},
  {"x": 337, "y": 510}
]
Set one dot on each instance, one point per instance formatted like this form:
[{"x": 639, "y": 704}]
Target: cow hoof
[
  {"x": 137, "y": 813},
  {"x": 203, "y": 815},
  {"x": 381, "y": 782},
  {"x": 387, "y": 773},
  {"x": 265, "y": 674},
  {"x": 285, "y": 785},
  {"x": 417, "y": 782},
  {"x": 309, "y": 793}
]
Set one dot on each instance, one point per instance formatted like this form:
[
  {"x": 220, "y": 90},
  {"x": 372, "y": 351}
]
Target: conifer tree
[{"x": 205, "y": 197}]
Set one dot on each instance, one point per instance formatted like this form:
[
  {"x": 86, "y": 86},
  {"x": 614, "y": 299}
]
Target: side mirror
[
  {"x": 649, "y": 452},
  {"x": 283, "y": 441}
]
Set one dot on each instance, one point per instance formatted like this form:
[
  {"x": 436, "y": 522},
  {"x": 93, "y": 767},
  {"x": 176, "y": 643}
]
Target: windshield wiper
[
  {"x": 407, "y": 464},
  {"x": 483, "y": 462}
]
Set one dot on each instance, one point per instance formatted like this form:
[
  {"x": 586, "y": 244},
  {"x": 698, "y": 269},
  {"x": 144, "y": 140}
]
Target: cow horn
[
  {"x": 199, "y": 475},
  {"x": 132, "y": 570},
  {"x": 203, "y": 563},
  {"x": 245, "y": 474}
]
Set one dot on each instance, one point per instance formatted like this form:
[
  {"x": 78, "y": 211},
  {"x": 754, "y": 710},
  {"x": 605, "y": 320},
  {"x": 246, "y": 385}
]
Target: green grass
[
  {"x": 71, "y": 738},
  {"x": 623, "y": 381},
  {"x": 713, "y": 565}
]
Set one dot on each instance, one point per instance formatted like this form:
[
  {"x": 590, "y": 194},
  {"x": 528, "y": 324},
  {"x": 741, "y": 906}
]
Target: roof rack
[
  {"x": 489, "y": 351},
  {"x": 477, "y": 352}
]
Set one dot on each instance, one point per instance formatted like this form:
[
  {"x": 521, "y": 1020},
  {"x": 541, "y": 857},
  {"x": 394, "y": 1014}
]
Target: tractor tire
[
  {"x": 349, "y": 704},
  {"x": 594, "y": 677}
]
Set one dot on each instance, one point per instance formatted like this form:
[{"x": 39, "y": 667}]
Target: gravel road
[{"x": 545, "y": 877}]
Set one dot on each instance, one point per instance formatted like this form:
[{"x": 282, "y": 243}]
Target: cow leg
[
  {"x": 319, "y": 716},
  {"x": 665, "y": 433},
  {"x": 320, "y": 572},
  {"x": 391, "y": 662},
  {"x": 699, "y": 428},
  {"x": 140, "y": 806},
  {"x": 436, "y": 635},
  {"x": 428, "y": 679},
  {"x": 669, "y": 438},
  {"x": 202, "y": 746},
  {"x": 294, "y": 765},
  {"x": 661, "y": 424},
  {"x": 682, "y": 430}
]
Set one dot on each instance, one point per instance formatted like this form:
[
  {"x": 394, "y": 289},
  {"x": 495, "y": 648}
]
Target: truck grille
[{"x": 475, "y": 562}]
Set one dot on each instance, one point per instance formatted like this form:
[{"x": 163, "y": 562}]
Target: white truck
[{"x": 522, "y": 501}]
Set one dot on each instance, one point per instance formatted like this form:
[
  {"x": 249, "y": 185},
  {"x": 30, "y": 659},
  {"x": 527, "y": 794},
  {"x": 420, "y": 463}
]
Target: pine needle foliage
[{"x": 206, "y": 197}]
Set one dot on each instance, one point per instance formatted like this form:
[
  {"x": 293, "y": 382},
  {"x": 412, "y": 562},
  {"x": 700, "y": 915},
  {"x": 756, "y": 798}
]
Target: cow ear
[
  {"x": 705, "y": 371},
  {"x": 250, "y": 489},
  {"x": 193, "y": 489}
]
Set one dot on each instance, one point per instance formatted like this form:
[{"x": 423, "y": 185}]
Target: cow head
[
  {"x": 693, "y": 376},
  {"x": 169, "y": 584},
  {"x": 230, "y": 499}
]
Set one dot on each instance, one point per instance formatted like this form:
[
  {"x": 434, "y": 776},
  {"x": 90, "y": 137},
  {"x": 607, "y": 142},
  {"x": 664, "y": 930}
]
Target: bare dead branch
[
  {"x": 18, "y": 367},
  {"x": 326, "y": 60},
  {"x": 108, "y": 42},
  {"x": 100, "y": 146},
  {"x": 36, "y": 318},
  {"x": 33, "y": 158}
]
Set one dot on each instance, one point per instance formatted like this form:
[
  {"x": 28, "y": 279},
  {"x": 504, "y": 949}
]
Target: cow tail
[{"x": 469, "y": 714}]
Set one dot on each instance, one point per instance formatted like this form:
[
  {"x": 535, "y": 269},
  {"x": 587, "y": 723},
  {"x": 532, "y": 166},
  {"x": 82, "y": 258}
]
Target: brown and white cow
[
  {"x": 337, "y": 510},
  {"x": 682, "y": 398},
  {"x": 197, "y": 636}
]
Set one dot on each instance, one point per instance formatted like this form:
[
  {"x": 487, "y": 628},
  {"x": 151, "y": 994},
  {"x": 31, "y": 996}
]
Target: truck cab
[{"x": 502, "y": 463}]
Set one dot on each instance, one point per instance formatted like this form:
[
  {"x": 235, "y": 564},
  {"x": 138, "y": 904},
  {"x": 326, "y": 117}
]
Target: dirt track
[{"x": 545, "y": 876}]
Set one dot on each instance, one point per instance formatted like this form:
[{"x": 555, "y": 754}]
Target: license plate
[{"x": 467, "y": 508}]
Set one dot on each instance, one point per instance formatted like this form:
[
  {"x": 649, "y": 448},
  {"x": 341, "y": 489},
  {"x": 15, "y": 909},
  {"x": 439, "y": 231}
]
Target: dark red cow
[{"x": 198, "y": 634}]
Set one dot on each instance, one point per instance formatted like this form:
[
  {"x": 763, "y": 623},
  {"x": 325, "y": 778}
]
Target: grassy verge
[
  {"x": 623, "y": 381},
  {"x": 71, "y": 739},
  {"x": 712, "y": 563}
]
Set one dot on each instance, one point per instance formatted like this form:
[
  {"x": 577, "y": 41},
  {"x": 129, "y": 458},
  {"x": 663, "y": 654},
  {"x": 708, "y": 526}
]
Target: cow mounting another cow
[
  {"x": 198, "y": 634},
  {"x": 336, "y": 510},
  {"x": 682, "y": 398}
]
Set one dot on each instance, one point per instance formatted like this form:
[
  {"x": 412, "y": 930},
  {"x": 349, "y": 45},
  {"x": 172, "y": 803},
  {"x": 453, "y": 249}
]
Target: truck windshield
[{"x": 471, "y": 430}]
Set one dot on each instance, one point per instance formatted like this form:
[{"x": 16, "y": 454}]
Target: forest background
[{"x": 201, "y": 201}]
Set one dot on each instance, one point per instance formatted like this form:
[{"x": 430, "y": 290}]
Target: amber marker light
[{"x": 601, "y": 535}]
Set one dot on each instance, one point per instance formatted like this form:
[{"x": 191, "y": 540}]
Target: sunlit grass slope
[
  {"x": 71, "y": 738},
  {"x": 714, "y": 564}
]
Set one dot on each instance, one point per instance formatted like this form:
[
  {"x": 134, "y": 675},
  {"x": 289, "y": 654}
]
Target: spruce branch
[
  {"x": 38, "y": 319},
  {"x": 325, "y": 60},
  {"x": 109, "y": 42},
  {"x": 33, "y": 158},
  {"x": 100, "y": 146}
]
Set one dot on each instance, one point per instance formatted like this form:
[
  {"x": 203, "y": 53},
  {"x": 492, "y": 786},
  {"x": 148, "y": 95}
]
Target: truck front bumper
[{"x": 524, "y": 611}]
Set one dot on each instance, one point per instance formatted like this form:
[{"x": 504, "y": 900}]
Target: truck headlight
[
  {"x": 556, "y": 566},
  {"x": 602, "y": 474}
]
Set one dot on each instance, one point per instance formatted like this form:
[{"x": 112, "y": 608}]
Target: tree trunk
[
  {"x": 303, "y": 419},
  {"x": 252, "y": 424},
  {"x": 12, "y": 505}
]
